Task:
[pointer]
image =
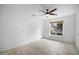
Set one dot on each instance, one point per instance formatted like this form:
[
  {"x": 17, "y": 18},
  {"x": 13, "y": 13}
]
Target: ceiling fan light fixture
[
  {"x": 47, "y": 15},
  {"x": 47, "y": 12}
]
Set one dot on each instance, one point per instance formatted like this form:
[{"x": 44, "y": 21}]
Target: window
[{"x": 56, "y": 28}]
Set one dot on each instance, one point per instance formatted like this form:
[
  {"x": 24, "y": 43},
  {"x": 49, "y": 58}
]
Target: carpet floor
[{"x": 44, "y": 47}]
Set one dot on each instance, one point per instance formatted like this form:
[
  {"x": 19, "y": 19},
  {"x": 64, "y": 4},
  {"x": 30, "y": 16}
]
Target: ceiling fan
[{"x": 47, "y": 12}]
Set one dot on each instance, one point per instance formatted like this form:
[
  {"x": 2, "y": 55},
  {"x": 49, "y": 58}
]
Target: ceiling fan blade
[
  {"x": 53, "y": 10},
  {"x": 42, "y": 11},
  {"x": 53, "y": 14}
]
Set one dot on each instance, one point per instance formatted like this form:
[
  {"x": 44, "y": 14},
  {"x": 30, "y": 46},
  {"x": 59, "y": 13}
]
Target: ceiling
[{"x": 63, "y": 9}]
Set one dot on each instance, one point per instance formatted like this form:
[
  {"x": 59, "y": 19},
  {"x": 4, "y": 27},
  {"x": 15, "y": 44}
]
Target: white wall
[
  {"x": 68, "y": 29},
  {"x": 77, "y": 31},
  {"x": 18, "y": 26}
]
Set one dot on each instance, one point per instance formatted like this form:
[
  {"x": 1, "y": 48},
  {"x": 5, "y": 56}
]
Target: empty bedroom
[{"x": 39, "y": 29}]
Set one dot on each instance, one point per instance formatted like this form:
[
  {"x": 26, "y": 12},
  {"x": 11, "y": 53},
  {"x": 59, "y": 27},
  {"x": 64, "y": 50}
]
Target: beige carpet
[{"x": 44, "y": 47}]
